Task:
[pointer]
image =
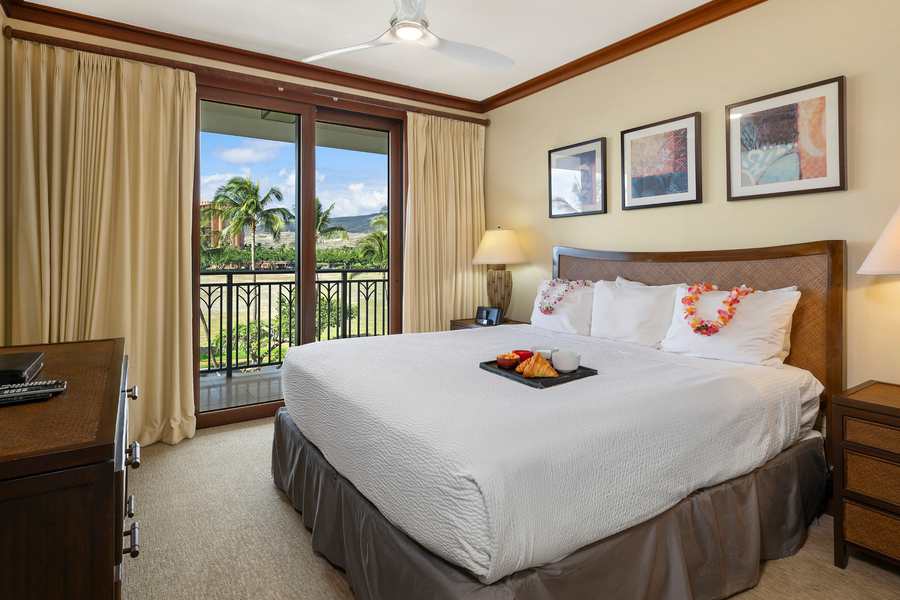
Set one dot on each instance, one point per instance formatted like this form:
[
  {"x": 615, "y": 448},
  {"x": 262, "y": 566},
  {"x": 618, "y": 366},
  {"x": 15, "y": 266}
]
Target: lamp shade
[
  {"x": 884, "y": 259},
  {"x": 500, "y": 247}
]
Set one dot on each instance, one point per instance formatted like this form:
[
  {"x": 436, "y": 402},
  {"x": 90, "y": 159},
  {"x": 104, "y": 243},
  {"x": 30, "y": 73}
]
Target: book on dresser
[{"x": 63, "y": 478}]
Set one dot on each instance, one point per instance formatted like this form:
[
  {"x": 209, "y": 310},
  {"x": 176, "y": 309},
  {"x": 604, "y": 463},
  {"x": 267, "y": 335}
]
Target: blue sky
[{"x": 355, "y": 182}]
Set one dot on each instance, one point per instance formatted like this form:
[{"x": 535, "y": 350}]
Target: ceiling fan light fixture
[
  {"x": 409, "y": 24},
  {"x": 408, "y": 31}
]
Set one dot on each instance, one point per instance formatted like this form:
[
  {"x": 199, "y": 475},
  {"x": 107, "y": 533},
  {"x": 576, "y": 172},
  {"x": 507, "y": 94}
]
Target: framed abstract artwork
[
  {"x": 661, "y": 163},
  {"x": 787, "y": 143},
  {"x": 578, "y": 179}
]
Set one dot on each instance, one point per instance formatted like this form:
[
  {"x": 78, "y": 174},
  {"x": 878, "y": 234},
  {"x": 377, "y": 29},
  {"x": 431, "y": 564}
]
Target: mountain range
[{"x": 355, "y": 224}]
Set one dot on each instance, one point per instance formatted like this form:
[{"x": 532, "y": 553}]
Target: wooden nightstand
[
  {"x": 471, "y": 324},
  {"x": 866, "y": 421}
]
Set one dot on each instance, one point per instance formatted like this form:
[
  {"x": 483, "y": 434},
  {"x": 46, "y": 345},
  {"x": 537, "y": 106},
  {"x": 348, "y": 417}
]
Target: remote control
[
  {"x": 32, "y": 397},
  {"x": 13, "y": 390}
]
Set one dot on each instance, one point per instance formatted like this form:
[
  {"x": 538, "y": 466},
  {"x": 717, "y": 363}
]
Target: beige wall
[{"x": 769, "y": 48}]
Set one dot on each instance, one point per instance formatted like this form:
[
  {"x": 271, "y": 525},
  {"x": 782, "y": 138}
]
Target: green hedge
[{"x": 345, "y": 257}]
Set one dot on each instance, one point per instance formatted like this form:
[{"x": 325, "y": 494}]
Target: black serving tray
[{"x": 537, "y": 382}]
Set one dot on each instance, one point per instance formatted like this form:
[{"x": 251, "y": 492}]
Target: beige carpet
[{"x": 214, "y": 526}]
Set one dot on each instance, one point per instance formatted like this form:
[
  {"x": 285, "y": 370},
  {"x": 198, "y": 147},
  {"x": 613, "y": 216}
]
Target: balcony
[{"x": 248, "y": 321}]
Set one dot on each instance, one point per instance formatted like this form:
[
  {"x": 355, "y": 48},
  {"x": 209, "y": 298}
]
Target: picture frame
[
  {"x": 661, "y": 164},
  {"x": 788, "y": 143},
  {"x": 577, "y": 179}
]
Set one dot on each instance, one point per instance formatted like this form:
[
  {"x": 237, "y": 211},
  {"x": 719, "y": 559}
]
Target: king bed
[{"x": 664, "y": 476}]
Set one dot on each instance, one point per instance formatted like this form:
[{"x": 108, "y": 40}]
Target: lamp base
[{"x": 499, "y": 290}]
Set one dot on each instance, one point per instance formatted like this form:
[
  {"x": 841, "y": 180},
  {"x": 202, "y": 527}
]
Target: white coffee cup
[
  {"x": 546, "y": 351},
  {"x": 566, "y": 361}
]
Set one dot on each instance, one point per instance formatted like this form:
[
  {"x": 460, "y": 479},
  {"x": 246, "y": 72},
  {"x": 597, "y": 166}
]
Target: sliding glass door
[
  {"x": 248, "y": 252},
  {"x": 297, "y": 240},
  {"x": 352, "y": 236},
  {"x": 359, "y": 204}
]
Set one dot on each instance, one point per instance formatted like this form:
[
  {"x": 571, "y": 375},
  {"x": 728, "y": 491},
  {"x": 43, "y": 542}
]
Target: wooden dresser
[
  {"x": 867, "y": 471},
  {"x": 63, "y": 488}
]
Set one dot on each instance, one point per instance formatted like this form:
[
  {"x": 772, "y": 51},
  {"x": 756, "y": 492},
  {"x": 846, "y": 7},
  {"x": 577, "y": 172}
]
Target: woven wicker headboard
[{"x": 816, "y": 268}]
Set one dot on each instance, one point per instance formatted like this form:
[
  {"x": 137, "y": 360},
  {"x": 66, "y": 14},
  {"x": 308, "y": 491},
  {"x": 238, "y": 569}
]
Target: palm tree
[
  {"x": 324, "y": 229},
  {"x": 374, "y": 246},
  {"x": 239, "y": 205},
  {"x": 380, "y": 221}
]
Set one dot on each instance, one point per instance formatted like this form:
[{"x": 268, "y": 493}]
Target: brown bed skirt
[{"x": 707, "y": 546}]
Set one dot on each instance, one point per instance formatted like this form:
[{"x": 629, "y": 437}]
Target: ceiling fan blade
[
  {"x": 410, "y": 10},
  {"x": 388, "y": 37},
  {"x": 475, "y": 55}
]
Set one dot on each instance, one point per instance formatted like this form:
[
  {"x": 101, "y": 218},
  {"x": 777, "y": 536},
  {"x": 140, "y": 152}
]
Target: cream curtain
[
  {"x": 99, "y": 227},
  {"x": 444, "y": 223}
]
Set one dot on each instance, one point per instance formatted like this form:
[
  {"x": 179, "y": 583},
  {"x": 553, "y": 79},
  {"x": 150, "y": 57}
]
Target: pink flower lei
[
  {"x": 547, "y": 305},
  {"x": 708, "y": 328}
]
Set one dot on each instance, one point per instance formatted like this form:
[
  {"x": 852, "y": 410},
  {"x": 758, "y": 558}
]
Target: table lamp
[
  {"x": 884, "y": 259},
  {"x": 498, "y": 248}
]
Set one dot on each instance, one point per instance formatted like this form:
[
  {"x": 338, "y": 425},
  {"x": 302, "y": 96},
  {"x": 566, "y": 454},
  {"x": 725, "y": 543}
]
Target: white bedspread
[{"x": 495, "y": 476}]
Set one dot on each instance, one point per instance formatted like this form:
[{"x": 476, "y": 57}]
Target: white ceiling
[{"x": 539, "y": 35}]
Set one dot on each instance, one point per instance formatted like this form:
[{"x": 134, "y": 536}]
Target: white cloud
[
  {"x": 288, "y": 187},
  {"x": 355, "y": 198},
  {"x": 250, "y": 151},
  {"x": 217, "y": 178},
  {"x": 320, "y": 177}
]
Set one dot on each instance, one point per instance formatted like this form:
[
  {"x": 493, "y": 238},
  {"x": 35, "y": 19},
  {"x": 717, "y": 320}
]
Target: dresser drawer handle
[
  {"x": 129, "y": 509},
  {"x": 135, "y": 452},
  {"x": 131, "y": 392},
  {"x": 135, "y": 547}
]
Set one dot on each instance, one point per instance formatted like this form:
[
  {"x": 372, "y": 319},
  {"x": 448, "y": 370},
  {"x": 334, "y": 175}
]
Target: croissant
[
  {"x": 539, "y": 367},
  {"x": 524, "y": 364}
]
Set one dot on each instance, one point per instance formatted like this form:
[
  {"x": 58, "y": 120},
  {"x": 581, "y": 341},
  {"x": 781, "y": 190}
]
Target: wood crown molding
[
  {"x": 665, "y": 31},
  {"x": 702, "y": 15}
]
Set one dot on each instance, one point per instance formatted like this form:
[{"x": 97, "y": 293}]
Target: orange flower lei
[{"x": 708, "y": 328}]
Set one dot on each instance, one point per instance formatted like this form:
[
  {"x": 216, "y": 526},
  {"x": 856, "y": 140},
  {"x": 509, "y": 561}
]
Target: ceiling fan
[{"x": 410, "y": 25}]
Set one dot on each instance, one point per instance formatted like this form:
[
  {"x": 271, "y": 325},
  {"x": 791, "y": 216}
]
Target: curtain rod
[{"x": 311, "y": 92}]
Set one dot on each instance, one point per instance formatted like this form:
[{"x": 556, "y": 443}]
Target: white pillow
[
  {"x": 623, "y": 281},
  {"x": 571, "y": 315},
  {"x": 786, "y": 347},
  {"x": 632, "y": 312},
  {"x": 755, "y": 335}
]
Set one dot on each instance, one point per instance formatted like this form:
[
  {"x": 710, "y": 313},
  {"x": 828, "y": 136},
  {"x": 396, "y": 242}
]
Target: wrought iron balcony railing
[{"x": 248, "y": 318}]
